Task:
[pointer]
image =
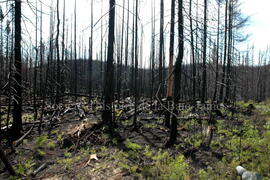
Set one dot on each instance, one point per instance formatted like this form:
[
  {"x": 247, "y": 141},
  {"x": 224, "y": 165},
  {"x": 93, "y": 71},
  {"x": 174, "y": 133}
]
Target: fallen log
[
  {"x": 39, "y": 169},
  {"x": 75, "y": 133},
  {"x": 19, "y": 141}
]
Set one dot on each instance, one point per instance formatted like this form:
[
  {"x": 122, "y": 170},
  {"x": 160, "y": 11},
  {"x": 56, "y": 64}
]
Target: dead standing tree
[
  {"x": 136, "y": 67},
  {"x": 58, "y": 85},
  {"x": 161, "y": 47},
  {"x": 90, "y": 56},
  {"x": 109, "y": 73},
  {"x": 204, "y": 78},
  {"x": 170, "y": 79},
  {"x": 217, "y": 53},
  {"x": 75, "y": 51},
  {"x": 17, "y": 111},
  {"x": 153, "y": 51},
  {"x": 177, "y": 73},
  {"x": 225, "y": 54}
]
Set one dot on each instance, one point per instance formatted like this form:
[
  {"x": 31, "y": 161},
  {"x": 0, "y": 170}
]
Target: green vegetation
[
  {"x": 242, "y": 140},
  {"x": 25, "y": 167},
  {"x": 246, "y": 144},
  {"x": 41, "y": 141},
  {"x": 28, "y": 117},
  {"x": 166, "y": 167},
  {"x": 132, "y": 146}
]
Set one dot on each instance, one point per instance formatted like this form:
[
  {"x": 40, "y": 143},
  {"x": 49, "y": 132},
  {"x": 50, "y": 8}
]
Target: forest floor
[{"x": 72, "y": 147}]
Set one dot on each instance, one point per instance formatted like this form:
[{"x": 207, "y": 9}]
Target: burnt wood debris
[{"x": 130, "y": 89}]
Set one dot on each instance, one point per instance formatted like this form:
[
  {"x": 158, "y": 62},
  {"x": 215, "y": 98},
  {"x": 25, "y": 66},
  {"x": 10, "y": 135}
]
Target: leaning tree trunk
[{"x": 17, "y": 111}]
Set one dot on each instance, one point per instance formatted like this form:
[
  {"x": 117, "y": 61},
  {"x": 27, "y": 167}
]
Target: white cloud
[{"x": 259, "y": 27}]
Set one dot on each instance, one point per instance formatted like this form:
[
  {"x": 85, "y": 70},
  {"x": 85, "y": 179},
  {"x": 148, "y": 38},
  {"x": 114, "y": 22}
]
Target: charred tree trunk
[
  {"x": 41, "y": 52},
  {"x": 217, "y": 56},
  {"x": 225, "y": 54},
  {"x": 2, "y": 64},
  {"x": 230, "y": 44},
  {"x": 35, "y": 70},
  {"x": 192, "y": 54},
  {"x": 90, "y": 56},
  {"x": 126, "y": 52},
  {"x": 170, "y": 79},
  {"x": 120, "y": 65},
  {"x": 153, "y": 53},
  {"x": 75, "y": 51},
  {"x": 63, "y": 50},
  {"x": 161, "y": 44},
  {"x": 132, "y": 53},
  {"x": 6, "y": 162},
  {"x": 136, "y": 66},
  {"x": 17, "y": 111},
  {"x": 177, "y": 73},
  {"x": 58, "y": 81},
  {"x": 101, "y": 51},
  {"x": 109, "y": 75},
  {"x": 204, "y": 78}
]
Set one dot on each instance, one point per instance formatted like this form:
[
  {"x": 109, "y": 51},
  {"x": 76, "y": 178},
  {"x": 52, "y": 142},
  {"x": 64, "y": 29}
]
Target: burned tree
[
  {"x": 109, "y": 73},
  {"x": 177, "y": 73},
  {"x": 204, "y": 88},
  {"x": 170, "y": 78},
  {"x": 17, "y": 111},
  {"x": 161, "y": 47}
]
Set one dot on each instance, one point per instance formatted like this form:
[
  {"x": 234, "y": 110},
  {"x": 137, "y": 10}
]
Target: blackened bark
[
  {"x": 170, "y": 79},
  {"x": 192, "y": 54},
  {"x": 161, "y": 44},
  {"x": 225, "y": 54},
  {"x": 230, "y": 44},
  {"x": 6, "y": 162},
  {"x": 204, "y": 88},
  {"x": 126, "y": 52},
  {"x": 217, "y": 56},
  {"x": 136, "y": 66},
  {"x": 109, "y": 74},
  {"x": 177, "y": 73},
  {"x": 153, "y": 53},
  {"x": 90, "y": 56},
  {"x": 58, "y": 84},
  {"x": 17, "y": 111},
  {"x": 75, "y": 51}
]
